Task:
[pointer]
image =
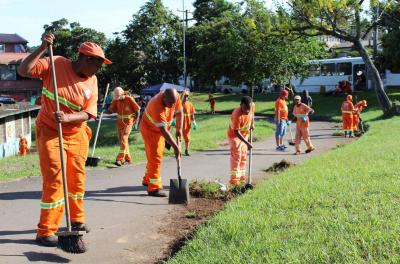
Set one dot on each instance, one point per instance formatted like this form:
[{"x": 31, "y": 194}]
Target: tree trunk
[{"x": 383, "y": 99}]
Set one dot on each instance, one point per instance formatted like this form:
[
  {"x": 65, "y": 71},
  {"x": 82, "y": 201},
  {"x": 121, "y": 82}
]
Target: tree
[
  {"x": 207, "y": 10},
  {"x": 68, "y": 37},
  {"x": 341, "y": 19},
  {"x": 390, "y": 42},
  {"x": 154, "y": 38}
]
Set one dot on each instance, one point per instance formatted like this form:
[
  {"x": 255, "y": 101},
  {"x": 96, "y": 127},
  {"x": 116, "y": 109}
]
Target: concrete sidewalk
[{"x": 125, "y": 221}]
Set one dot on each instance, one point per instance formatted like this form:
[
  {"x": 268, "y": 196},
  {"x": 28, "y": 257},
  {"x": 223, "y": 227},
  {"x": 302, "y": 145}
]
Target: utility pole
[{"x": 184, "y": 26}]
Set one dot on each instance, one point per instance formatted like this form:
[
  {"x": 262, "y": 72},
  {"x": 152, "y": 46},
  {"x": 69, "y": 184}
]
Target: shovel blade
[
  {"x": 178, "y": 194},
  {"x": 92, "y": 161}
]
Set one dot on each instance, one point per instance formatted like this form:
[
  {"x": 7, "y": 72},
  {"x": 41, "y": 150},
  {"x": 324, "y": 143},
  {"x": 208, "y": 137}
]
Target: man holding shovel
[
  {"x": 238, "y": 135},
  {"x": 77, "y": 93},
  {"x": 157, "y": 118},
  {"x": 128, "y": 115}
]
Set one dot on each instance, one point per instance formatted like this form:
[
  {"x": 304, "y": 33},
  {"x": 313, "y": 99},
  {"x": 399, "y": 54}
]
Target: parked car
[
  {"x": 6, "y": 100},
  {"x": 233, "y": 89}
]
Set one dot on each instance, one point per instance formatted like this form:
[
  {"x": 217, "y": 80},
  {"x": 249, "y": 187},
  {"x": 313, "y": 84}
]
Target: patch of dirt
[
  {"x": 280, "y": 166},
  {"x": 183, "y": 223}
]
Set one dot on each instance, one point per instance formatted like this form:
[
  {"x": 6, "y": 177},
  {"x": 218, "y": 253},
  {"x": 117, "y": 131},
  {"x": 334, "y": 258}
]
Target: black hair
[{"x": 246, "y": 100}]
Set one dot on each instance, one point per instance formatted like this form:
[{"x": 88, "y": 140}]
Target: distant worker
[
  {"x": 157, "y": 118},
  {"x": 306, "y": 98},
  {"x": 128, "y": 115},
  {"x": 358, "y": 108},
  {"x": 347, "y": 116},
  {"x": 188, "y": 120},
  {"x": 301, "y": 112},
  {"x": 346, "y": 87},
  {"x": 238, "y": 135},
  {"x": 211, "y": 101},
  {"x": 78, "y": 93},
  {"x": 281, "y": 117},
  {"x": 23, "y": 146}
]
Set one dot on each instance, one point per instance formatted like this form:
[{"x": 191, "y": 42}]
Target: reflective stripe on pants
[{"x": 238, "y": 160}]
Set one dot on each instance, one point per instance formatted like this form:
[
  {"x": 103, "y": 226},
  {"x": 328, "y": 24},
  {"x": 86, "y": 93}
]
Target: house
[
  {"x": 13, "y": 49},
  {"x": 15, "y": 120}
]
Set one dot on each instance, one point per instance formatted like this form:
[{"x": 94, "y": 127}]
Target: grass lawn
[
  {"x": 326, "y": 107},
  {"x": 340, "y": 207},
  {"x": 211, "y": 131}
]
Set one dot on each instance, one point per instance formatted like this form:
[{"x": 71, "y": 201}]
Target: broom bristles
[{"x": 72, "y": 244}]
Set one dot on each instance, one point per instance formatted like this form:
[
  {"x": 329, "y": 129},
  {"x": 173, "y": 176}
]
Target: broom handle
[
  {"x": 60, "y": 140},
  {"x": 101, "y": 116}
]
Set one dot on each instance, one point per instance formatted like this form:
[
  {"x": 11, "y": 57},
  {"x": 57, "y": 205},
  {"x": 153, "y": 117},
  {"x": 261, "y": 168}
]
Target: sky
[{"x": 27, "y": 17}]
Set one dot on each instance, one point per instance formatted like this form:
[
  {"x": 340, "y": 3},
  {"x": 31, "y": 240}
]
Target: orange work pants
[
  {"x": 75, "y": 153},
  {"x": 356, "y": 122},
  {"x": 154, "y": 144},
  {"x": 238, "y": 160},
  {"x": 186, "y": 131},
  {"x": 123, "y": 136},
  {"x": 302, "y": 132},
  {"x": 347, "y": 120}
]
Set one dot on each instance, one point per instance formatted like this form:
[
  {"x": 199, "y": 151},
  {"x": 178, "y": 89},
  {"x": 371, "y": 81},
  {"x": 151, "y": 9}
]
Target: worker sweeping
[
  {"x": 211, "y": 101},
  {"x": 157, "y": 118},
  {"x": 301, "y": 112},
  {"x": 23, "y": 146},
  {"x": 189, "y": 120},
  {"x": 238, "y": 135},
  {"x": 128, "y": 112},
  {"x": 358, "y": 108},
  {"x": 77, "y": 91},
  {"x": 347, "y": 116},
  {"x": 281, "y": 117}
]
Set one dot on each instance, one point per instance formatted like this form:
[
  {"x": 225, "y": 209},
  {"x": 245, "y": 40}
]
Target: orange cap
[
  {"x": 349, "y": 97},
  {"x": 284, "y": 93},
  {"x": 364, "y": 103},
  {"x": 92, "y": 49}
]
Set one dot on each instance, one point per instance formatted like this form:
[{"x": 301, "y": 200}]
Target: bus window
[
  {"x": 328, "y": 69},
  {"x": 314, "y": 70},
  {"x": 344, "y": 68}
]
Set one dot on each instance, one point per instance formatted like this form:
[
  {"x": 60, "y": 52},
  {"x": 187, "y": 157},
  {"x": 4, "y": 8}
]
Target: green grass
[
  {"x": 211, "y": 132},
  {"x": 326, "y": 107},
  {"x": 340, "y": 207}
]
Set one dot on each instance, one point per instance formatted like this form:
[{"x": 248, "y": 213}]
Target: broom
[{"x": 69, "y": 241}]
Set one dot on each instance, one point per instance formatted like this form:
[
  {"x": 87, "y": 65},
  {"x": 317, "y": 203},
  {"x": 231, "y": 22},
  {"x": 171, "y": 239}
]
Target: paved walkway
[{"x": 124, "y": 220}]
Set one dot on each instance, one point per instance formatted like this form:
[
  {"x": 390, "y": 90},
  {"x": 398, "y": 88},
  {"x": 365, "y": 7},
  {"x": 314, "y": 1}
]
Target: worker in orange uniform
[
  {"x": 281, "y": 117},
  {"x": 211, "y": 100},
  {"x": 347, "y": 116},
  {"x": 78, "y": 92},
  {"x": 157, "y": 117},
  {"x": 358, "y": 108},
  {"x": 238, "y": 135},
  {"x": 128, "y": 112},
  {"x": 23, "y": 146},
  {"x": 188, "y": 120},
  {"x": 301, "y": 112}
]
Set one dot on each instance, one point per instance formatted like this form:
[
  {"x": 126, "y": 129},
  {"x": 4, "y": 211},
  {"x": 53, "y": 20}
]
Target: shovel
[
  {"x": 93, "y": 161},
  {"x": 249, "y": 185},
  {"x": 178, "y": 188}
]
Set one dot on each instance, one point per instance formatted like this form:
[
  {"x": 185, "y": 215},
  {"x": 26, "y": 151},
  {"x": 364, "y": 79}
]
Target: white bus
[{"x": 330, "y": 72}]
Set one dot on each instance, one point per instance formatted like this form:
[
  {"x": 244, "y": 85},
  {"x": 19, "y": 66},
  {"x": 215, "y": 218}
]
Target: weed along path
[{"x": 127, "y": 225}]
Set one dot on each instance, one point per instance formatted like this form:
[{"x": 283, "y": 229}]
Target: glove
[
  {"x": 194, "y": 125},
  {"x": 289, "y": 123},
  {"x": 304, "y": 119},
  {"x": 173, "y": 123}
]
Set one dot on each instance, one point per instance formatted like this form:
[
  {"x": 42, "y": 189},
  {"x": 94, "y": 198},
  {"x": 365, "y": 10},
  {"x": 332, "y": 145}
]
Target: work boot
[
  {"x": 47, "y": 241},
  {"x": 76, "y": 226},
  {"x": 157, "y": 193},
  {"x": 127, "y": 162},
  {"x": 187, "y": 153},
  {"x": 297, "y": 152},
  {"x": 309, "y": 150},
  {"x": 118, "y": 163}
]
